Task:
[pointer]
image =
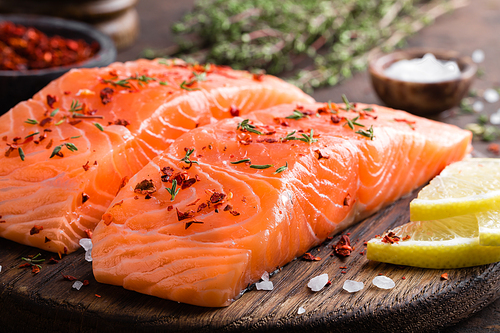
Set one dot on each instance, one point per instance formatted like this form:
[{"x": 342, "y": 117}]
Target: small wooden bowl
[
  {"x": 420, "y": 98},
  {"x": 16, "y": 86}
]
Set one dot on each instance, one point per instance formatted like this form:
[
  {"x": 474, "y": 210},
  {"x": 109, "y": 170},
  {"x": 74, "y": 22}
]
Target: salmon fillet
[
  {"x": 228, "y": 201},
  {"x": 70, "y": 148}
]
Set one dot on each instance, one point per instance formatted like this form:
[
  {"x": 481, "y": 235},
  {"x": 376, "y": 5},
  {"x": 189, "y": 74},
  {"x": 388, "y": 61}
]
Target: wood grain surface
[{"x": 420, "y": 302}]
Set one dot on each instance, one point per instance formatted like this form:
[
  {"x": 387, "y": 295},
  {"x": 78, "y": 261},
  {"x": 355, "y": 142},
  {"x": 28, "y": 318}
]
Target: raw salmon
[
  {"x": 228, "y": 201},
  {"x": 68, "y": 150}
]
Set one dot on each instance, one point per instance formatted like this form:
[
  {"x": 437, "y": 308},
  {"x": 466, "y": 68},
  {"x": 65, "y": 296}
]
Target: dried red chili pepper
[
  {"x": 188, "y": 224},
  {"x": 51, "y": 100},
  {"x": 26, "y": 48},
  {"x": 390, "y": 238},
  {"x": 68, "y": 277},
  {"x": 343, "y": 247},
  {"x": 188, "y": 183},
  {"x": 106, "y": 95},
  {"x": 36, "y": 229},
  {"x": 184, "y": 215},
  {"x": 444, "y": 276},
  {"x": 146, "y": 186},
  {"x": 309, "y": 257},
  {"x": 217, "y": 197}
]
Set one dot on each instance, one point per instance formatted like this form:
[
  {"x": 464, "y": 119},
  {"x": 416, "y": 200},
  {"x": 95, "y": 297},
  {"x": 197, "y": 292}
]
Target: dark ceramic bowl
[
  {"x": 420, "y": 98},
  {"x": 16, "y": 86}
]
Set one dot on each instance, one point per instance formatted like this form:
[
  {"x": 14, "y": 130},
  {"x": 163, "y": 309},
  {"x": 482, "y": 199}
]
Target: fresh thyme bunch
[{"x": 312, "y": 43}]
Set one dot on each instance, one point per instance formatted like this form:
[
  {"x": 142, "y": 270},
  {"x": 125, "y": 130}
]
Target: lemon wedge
[
  {"x": 466, "y": 187},
  {"x": 447, "y": 243}
]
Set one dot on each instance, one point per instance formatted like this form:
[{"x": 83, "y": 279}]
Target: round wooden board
[{"x": 420, "y": 302}]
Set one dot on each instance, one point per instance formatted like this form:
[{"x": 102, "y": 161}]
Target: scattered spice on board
[
  {"x": 444, "y": 276},
  {"x": 309, "y": 257},
  {"x": 343, "y": 247}
]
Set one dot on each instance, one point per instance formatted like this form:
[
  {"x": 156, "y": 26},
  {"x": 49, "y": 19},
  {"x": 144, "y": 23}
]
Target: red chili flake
[
  {"x": 169, "y": 208},
  {"x": 390, "y": 238},
  {"x": 335, "y": 119},
  {"x": 51, "y": 100},
  {"x": 234, "y": 213},
  {"x": 217, "y": 197},
  {"x": 348, "y": 234},
  {"x": 188, "y": 224},
  {"x": 347, "y": 200},
  {"x": 180, "y": 177},
  {"x": 146, "y": 186},
  {"x": 201, "y": 207},
  {"x": 188, "y": 183},
  {"x": 258, "y": 76},
  {"x": 167, "y": 173},
  {"x": 148, "y": 196},
  {"x": 107, "y": 218},
  {"x": 410, "y": 123},
  {"x": 67, "y": 92},
  {"x": 343, "y": 247},
  {"x": 52, "y": 261},
  {"x": 85, "y": 282},
  {"x": 106, "y": 95},
  {"x": 329, "y": 283},
  {"x": 36, "y": 229},
  {"x": 380, "y": 274},
  {"x": 122, "y": 183},
  {"x": 343, "y": 272},
  {"x": 343, "y": 267},
  {"x": 182, "y": 216},
  {"x": 136, "y": 197},
  {"x": 96, "y": 295},
  {"x": 494, "y": 148},
  {"x": 121, "y": 122},
  {"x": 2, "y": 221},
  {"x": 47, "y": 239},
  {"x": 49, "y": 145},
  {"x": 228, "y": 207},
  {"x": 25, "y": 265},
  {"x": 321, "y": 155},
  {"x": 403, "y": 278},
  {"x": 35, "y": 269},
  {"x": 74, "y": 122},
  {"x": 406, "y": 237},
  {"x": 68, "y": 277},
  {"x": 234, "y": 111},
  {"x": 89, "y": 232},
  {"x": 86, "y": 166},
  {"x": 444, "y": 276},
  {"x": 309, "y": 257},
  {"x": 85, "y": 197}
]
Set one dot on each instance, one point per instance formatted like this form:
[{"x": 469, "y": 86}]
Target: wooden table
[{"x": 464, "y": 30}]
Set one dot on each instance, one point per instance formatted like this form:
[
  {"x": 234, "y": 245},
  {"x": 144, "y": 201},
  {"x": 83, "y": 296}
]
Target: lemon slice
[
  {"x": 489, "y": 228},
  {"x": 446, "y": 243},
  {"x": 466, "y": 187}
]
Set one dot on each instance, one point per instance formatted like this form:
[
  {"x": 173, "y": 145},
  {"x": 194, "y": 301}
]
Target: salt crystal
[
  {"x": 77, "y": 285},
  {"x": 88, "y": 255},
  {"x": 478, "y": 106},
  {"x": 0, "y": 268},
  {"x": 264, "y": 285},
  {"x": 301, "y": 310},
  {"x": 424, "y": 70},
  {"x": 353, "y": 286},
  {"x": 495, "y": 118},
  {"x": 491, "y": 95},
  {"x": 383, "y": 282},
  {"x": 265, "y": 276},
  {"x": 86, "y": 243},
  {"x": 478, "y": 56},
  {"x": 317, "y": 283}
]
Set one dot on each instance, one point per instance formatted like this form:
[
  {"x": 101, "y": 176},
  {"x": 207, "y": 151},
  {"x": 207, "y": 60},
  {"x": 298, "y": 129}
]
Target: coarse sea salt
[
  {"x": 478, "y": 106},
  {"x": 353, "y": 286},
  {"x": 317, "y": 283},
  {"x": 491, "y": 95},
  {"x": 495, "y": 118},
  {"x": 383, "y": 282},
  {"x": 265, "y": 284},
  {"x": 478, "y": 56},
  {"x": 86, "y": 243},
  {"x": 0, "y": 268},
  {"x": 423, "y": 70},
  {"x": 77, "y": 285},
  {"x": 301, "y": 310}
]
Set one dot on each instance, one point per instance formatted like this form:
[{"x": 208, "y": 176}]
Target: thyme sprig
[
  {"x": 75, "y": 106},
  {"x": 352, "y": 122},
  {"x": 34, "y": 261},
  {"x": 263, "y": 166},
  {"x": 174, "y": 190},
  {"x": 368, "y": 133},
  {"x": 296, "y": 115},
  {"x": 348, "y": 106},
  {"x": 57, "y": 149},
  {"x": 186, "y": 159},
  {"x": 241, "y": 161},
  {"x": 307, "y": 138},
  {"x": 246, "y": 126},
  {"x": 281, "y": 169},
  {"x": 31, "y": 121}
]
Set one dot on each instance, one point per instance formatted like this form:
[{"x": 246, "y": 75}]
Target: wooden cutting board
[{"x": 421, "y": 300}]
